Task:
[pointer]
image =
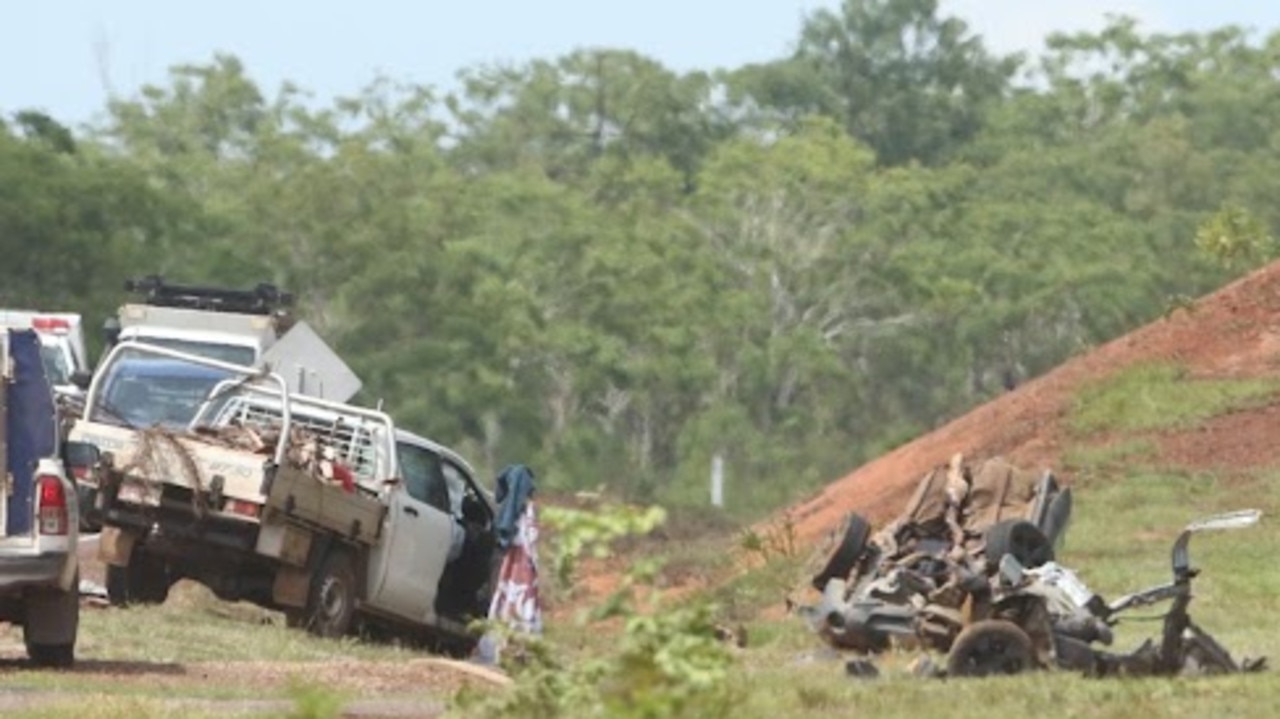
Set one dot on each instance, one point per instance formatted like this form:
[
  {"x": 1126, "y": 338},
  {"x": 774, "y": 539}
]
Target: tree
[
  {"x": 71, "y": 222},
  {"x": 562, "y": 115},
  {"x": 909, "y": 83}
]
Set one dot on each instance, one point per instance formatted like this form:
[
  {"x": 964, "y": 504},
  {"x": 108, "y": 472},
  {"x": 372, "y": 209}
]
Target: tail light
[
  {"x": 243, "y": 508},
  {"x": 52, "y": 512},
  {"x": 57, "y": 325}
]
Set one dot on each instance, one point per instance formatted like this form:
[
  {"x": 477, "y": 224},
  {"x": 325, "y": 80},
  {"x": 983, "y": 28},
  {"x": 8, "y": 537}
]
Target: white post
[{"x": 717, "y": 480}]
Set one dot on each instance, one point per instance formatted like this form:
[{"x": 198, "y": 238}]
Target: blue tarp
[
  {"x": 514, "y": 488},
  {"x": 32, "y": 425}
]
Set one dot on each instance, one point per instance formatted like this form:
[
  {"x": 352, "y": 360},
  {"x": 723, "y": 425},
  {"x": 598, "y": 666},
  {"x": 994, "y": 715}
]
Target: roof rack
[{"x": 265, "y": 299}]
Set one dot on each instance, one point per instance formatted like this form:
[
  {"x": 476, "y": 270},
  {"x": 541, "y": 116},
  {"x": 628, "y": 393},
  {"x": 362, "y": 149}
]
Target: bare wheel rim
[
  {"x": 333, "y": 599},
  {"x": 995, "y": 654},
  {"x": 990, "y": 647}
]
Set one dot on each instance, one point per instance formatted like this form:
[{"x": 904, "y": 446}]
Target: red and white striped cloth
[{"x": 515, "y": 599}]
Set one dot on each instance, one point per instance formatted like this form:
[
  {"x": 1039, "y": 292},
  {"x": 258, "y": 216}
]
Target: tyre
[
  {"x": 1020, "y": 538},
  {"x": 853, "y": 544},
  {"x": 990, "y": 647},
  {"x": 331, "y": 605},
  {"x": 50, "y": 626},
  {"x": 1057, "y": 517},
  {"x": 52, "y": 656},
  {"x": 145, "y": 581}
]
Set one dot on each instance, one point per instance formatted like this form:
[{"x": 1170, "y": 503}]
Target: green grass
[
  {"x": 1095, "y": 459},
  {"x": 162, "y": 661},
  {"x": 1128, "y": 511},
  {"x": 1161, "y": 396}
]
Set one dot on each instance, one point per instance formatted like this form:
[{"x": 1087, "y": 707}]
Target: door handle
[{"x": 411, "y": 511}]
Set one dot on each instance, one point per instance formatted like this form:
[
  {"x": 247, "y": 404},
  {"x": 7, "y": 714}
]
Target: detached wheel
[
  {"x": 988, "y": 648},
  {"x": 853, "y": 544},
  {"x": 332, "y": 604},
  {"x": 1020, "y": 538}
]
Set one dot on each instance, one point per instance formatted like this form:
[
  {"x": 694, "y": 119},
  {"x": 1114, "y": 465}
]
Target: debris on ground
[{"x": 93, "y": 594}]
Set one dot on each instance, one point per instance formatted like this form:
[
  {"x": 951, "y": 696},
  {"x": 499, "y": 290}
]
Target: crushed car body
[{"x": 968, "y": 571}]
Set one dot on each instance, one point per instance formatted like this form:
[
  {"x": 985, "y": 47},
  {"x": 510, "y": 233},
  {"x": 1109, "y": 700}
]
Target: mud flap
[
  {"x": 291, "y": 586},
  {"x": 115, "y": 546}
]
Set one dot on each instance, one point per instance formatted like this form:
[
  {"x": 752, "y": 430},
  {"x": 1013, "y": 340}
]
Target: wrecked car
[
  {"x": 911, "y": 579},
  {"x": 968, "y": 571},
  {"x": 1047, "y": 618}
]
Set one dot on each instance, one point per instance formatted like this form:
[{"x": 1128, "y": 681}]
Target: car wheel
[
  {"x": 50, "y": 626},
  {"x": 853, "y": 544},
  {"x": 1057, "y": 517},
  {"x": 52, "y": 656},
  {"x": 332, "y": 604},
  {"x": 145, "y": 581},
  {"x": 1020, "y": 538},
  {"x": 990, "y": 647}
]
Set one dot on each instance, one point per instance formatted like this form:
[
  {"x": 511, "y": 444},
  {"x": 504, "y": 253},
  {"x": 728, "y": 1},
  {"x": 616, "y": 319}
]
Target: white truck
[
  {"x": 242, "y": 327},
  {"x": 322, "y": 510},
  {"x": 62, "y": 349},
  {"x": 39, "y": 520},
  {"x": 237, "y": 327}
]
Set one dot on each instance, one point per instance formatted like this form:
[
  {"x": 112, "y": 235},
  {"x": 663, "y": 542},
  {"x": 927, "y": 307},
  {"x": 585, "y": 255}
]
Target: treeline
[{"x": 614, "y": 271}]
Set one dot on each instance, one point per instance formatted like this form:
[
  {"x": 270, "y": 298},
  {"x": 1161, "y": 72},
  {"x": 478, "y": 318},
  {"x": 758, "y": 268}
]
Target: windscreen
[
  {"x": 233, "y": 354},
  {"x": 56, "y": 367},
  {"x": 145, "y": 392}
]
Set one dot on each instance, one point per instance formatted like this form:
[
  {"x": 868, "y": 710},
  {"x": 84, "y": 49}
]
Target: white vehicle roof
[
  {"x": 143, "y": 332},
  {"x": 55, "y": 329}
]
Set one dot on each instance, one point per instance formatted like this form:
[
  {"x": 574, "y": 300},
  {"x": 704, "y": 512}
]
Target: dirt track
[{"x": 418, "y": 687}]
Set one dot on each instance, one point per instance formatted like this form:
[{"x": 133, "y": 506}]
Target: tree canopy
[{"x": 616, "y": 271}]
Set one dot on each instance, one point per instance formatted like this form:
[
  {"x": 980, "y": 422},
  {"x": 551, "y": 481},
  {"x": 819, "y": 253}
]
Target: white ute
[
  {"x": 322, "y": 510},
  {"x": 39, "y": 519}
]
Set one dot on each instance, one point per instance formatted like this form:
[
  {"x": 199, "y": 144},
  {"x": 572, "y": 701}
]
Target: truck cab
[
  {"x": 250, "y": 328},
  {"x": 234, "y": 326}
]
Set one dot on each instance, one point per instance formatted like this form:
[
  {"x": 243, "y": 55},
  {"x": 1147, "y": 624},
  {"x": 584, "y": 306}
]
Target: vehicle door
[
  {"x": 28, "y": 429},
  {"x": 409, "y": 561}
]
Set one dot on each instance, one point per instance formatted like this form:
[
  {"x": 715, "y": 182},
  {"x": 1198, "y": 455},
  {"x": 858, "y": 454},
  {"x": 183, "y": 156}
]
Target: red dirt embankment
[{"x": 1234, "y": 332}]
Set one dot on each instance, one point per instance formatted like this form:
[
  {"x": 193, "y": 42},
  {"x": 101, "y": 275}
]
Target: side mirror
[
  {"x": 82, "y": 379},
  {"x": 110, "y": 332}
]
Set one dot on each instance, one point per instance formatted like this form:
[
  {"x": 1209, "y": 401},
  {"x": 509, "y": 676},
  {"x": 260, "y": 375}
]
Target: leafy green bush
[{"x": 669, "y": 663}]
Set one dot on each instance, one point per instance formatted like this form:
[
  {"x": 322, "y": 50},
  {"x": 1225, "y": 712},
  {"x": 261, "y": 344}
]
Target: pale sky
[{"x": 63, "y": 55}]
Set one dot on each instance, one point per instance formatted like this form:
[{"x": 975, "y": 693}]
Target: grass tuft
[{"x": 1160, "y": 397}]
